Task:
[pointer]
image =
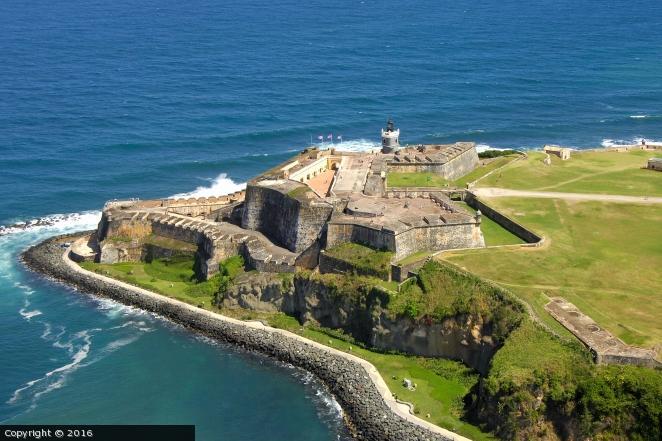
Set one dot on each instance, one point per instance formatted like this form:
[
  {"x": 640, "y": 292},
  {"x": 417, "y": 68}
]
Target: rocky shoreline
[{"x": 368, "y": 415}]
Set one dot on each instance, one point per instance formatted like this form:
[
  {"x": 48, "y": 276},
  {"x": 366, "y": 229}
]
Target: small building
[
  {"x": 561, "y": 152},
  {"x": 654, "y": 164}
]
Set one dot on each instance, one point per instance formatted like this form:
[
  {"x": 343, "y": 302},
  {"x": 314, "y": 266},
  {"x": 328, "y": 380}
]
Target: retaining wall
[
  {"x": 514, "y": 227},
  {"x": 451, "y": 170}
]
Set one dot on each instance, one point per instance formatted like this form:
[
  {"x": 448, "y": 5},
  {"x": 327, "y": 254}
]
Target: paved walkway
[
  {"x": 398, "y": 408},
  {"x": 492, "y": 192},
  {"x": 352, "y": 174}
]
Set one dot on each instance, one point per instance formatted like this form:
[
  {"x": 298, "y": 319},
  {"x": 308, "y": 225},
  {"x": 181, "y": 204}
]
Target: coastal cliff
[
  {"x": 363, "y": 312},
  {"x": 367, "y": 413}
]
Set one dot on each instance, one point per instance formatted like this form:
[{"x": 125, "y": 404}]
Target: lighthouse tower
[{"x": 390, "y": 137}]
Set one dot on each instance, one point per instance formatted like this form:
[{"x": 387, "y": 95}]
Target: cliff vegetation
[{"x": 541, "y": 387}]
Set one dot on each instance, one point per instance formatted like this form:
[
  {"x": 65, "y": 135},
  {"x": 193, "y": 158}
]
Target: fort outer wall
[
  {"x": 451, "y": 170},
  {"x": 287, "y": 221},
  {"x": 210, "y": 250},
  {"x": 417, "y": 238},
  {"x": 507, "y": 223}
]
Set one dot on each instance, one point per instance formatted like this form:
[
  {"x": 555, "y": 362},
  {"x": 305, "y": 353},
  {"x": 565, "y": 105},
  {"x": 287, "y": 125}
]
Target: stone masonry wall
[
  {"x": 285, "y": 220},
  {"x": 338, "y": 233},
  {"x": 451, "y": 170},
  {"x": 432, "y": 237},
  {"x": 437, "y": 238},
  {"x": 514, "y": 227}
]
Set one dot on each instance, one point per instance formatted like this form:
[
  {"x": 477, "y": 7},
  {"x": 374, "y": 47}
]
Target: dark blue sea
[{"x": 118, "y": 99}]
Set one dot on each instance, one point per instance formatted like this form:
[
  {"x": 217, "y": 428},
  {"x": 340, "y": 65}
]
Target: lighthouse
[{"x": 390, "y": 137}]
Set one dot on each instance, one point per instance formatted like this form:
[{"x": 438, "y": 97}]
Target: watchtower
[{"x": 390, "y": 137}]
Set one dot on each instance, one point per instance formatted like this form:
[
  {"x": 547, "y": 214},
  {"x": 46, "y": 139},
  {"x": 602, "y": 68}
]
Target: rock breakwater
[{"x": 369, "y": 411}]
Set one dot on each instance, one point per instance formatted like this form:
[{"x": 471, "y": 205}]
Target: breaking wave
[
  {"x": 632, "y": 141},
  {"x": 221, "y": 185},
  {"x": 484, "y": 147},
  {"x": 57, "y": 222},
  {"x": 354, "y": 145}
]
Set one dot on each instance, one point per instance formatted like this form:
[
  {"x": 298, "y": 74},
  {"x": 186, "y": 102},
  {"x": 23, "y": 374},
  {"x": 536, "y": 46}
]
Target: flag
[
  {"x": 330, "y": 136},
  {"x": 321, "y": 138},
  {"x": 340, "y": 137}
]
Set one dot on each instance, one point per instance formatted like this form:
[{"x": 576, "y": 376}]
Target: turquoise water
[
  {"x": 70, "y": 358},
  {"x": 102, "y": 100}
]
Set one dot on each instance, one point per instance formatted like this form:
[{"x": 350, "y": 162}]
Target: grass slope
[
  {"x": 363, "y": 258},
  {"x": 603, "y": 257},
  {"x": 493, "y": 233},
  {"x": 586, "y": 172},
  {"x": 481, "y": 171},
  {"x": 427, "y": 179}
]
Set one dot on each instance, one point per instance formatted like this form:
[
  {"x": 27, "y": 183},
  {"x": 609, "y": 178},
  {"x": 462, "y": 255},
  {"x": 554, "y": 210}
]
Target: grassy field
[
  {"x": 426, "y": 179},
  {"x": 441, "y": 384},
  {"x": 172, "y": 277},
  {"x": 603, "y": 257},
  {"x": 421, "y": 179},
  {"x": 483, "y": 170},
  {"x": 493, "y": 233},
  {"x": 585, "y": 172}
]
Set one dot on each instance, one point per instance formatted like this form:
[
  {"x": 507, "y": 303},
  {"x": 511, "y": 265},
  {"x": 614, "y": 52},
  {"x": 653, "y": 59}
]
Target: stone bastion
[{"x": 289, "y": 214}]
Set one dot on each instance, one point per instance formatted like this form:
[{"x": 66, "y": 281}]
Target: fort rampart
[
  {"x": 288, "y": 221},
  {"x": 450, "y": 170}
]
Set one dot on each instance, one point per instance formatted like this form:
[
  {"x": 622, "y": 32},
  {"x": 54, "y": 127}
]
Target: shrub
[{"x": 496, "y": 153}]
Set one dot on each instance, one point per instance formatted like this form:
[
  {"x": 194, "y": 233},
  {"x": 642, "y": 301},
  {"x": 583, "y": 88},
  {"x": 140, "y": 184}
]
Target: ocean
[{"x": 103, "y": 100}]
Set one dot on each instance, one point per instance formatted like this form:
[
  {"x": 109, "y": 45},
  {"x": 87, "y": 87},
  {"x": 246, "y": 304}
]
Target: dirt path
[{"x": 492, "y": 192}]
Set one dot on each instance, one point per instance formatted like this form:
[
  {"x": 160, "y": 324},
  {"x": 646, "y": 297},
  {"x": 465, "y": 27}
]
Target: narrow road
[{"x": 492, "y": 192}]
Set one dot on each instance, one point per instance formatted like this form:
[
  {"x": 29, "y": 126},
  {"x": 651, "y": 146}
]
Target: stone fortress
[{"x": 288, "y": 215}]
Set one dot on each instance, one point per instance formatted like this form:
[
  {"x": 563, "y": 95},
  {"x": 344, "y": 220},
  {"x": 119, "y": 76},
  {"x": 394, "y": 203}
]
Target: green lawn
[
  {"x": 441, "y": 384},
  {"x": 415, "y": 257},
  {"x": 586, "y": 172},
  {"x": 483, "y": 170},
  {"x": 427, "y": 179},
  {"x": 604, "y": 258},
  {"x": 493, "y": 233},
  {"x": 416, "y": 179},
  {"x": 172, "y": 277},
  {"x": 363, "y": 258}
]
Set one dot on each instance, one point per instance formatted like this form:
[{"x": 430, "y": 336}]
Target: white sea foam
[
  {"x": 61, "y": 372},
  {"x": 632, "y": 141},
  {"x": 119, "y": 343},
  {"x": 485, "y": 147},
  {"x": 329, "y": 402},
  {"x": 220, "y": 186},
  {"x": 639, "y": 116},
  {"x": 57, "y": 222},
  {"x": 47, "y": 331},
  {"x": 352, "y": 145},
  {"x": 29, "y": 314}
]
